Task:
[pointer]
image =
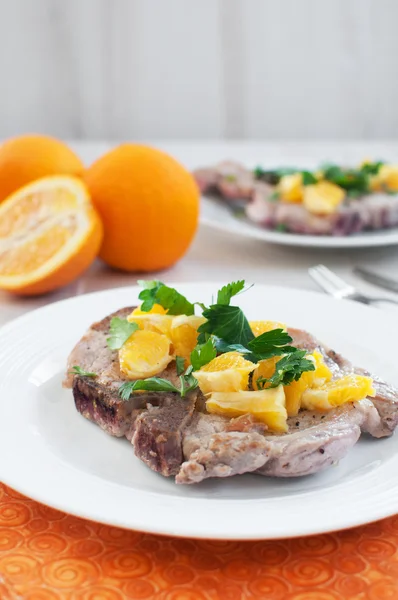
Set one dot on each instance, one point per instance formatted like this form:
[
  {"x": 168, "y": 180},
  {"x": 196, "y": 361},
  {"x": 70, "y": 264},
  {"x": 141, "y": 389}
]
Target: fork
[{"x": 332, "y": 284}]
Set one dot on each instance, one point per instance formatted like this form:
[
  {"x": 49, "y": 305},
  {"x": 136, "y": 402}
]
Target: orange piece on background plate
[{"x": 49, "y": 234}]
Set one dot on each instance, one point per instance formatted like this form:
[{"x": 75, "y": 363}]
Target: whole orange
[
  {"x": 149, "y": 205},
  {"x": 28, "y": 157}
]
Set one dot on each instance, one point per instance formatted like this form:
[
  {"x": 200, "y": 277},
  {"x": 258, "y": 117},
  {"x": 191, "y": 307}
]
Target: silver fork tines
[{"x": 332, "y": 284}]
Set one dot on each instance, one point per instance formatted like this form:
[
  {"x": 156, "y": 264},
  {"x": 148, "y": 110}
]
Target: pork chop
[{"x": 175, "y": 436}]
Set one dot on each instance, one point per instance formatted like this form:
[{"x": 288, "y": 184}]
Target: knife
[{"x": 379, "y": 280}]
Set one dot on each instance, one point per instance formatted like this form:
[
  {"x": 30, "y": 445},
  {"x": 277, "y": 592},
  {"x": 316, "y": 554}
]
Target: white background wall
[{"x": 271, "y": 69}]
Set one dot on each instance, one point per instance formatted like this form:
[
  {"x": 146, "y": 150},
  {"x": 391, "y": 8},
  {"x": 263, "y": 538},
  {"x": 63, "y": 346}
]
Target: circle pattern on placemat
[{"x": 48, "y": 555}]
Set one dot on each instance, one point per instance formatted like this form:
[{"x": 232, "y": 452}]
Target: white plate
[
  {"x": 216, "y": 214},
  {"x": 52, "y": 454}
]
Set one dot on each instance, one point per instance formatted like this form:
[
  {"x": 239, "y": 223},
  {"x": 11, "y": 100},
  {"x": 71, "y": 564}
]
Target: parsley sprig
[
  {"x": 157, "y": 384},
  {"x": 203, "y": 354},
  {"x": 180, "y": 365},
  {"x": 225, "y": 294},
  {"x": 355, "y": 181},
  {"x": 226, "y": 329},
  {"x": 271, "y": 343},
  {"x": 79, "y": 371},
  {"x": 156, "y": 292},
  {"x": 120, "y": 330},
  {"x": 226, "y": 322},
  {"x": 288, "y": 369}
]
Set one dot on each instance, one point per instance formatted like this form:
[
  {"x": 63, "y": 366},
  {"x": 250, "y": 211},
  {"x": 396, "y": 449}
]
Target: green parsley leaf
[
  {"x": 282, "y": 171},
  {"x": 156, "y": 292},
  {"x": 308, "y": 178},
  {"x": 228, "y": 291},
  {"x": 222, "y": 347},
  {"x": 372, "y": 168},
  {"x": 348, "y": 179},
  {"x": 157, "y": 384},
  {"x": 270, "y": 343},
  {"x": 174, "y": 302},
  {"x": 288, "y": 369},
  {"x": 148, "y": 294},
  {"x": 180, "y": 364},
  {"x": 201, "y": 305},
  {"x": 152, "y": 384},
  {"x": 149, "y": 284},
  {"x": 120, "y": 331},
  {"x": 226, "y": 322},
  {"x": 188, "y": 383},
  {"x": 270, "y": 177},
  {"x": 79, "y": 371},
  {"x": 203, "y": 354},
  {"x": 258, "y": 172},
  {"x": 281, "y": 227}
]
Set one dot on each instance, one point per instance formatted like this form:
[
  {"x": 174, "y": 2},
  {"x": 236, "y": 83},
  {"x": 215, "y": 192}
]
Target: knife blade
[{"x": 379, "y": 280}]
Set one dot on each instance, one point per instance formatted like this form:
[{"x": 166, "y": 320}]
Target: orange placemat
[{"x": 48, "y": 555}]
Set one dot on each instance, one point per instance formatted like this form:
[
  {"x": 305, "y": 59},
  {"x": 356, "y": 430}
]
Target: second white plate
[{"x": 216, "y": 214}]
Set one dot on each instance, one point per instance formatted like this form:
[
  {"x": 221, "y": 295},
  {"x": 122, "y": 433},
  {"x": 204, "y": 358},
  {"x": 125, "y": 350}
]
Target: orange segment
[
  {"x": 259, "y": 327},
  {"x": 266, "y": 405},
  {"x": 184, "y": 335},
  {"x": 349, "y": 388},
  {"x": 228, "y": 372},
  {"x": 156, "y": 309},
  {"x": 145, "y": 354},
  {"x": 49, "y": 234},
  {"x": 265, "y": 369},
  {"x": 295, "y": 390}
]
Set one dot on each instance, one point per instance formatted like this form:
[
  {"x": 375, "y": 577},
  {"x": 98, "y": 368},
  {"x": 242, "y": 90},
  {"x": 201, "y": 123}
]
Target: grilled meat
[{"x": 176, "y": 437}]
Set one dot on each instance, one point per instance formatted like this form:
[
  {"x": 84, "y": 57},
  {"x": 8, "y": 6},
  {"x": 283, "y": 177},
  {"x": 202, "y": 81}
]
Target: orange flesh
[
  {"x": 35, "y": 208},
  {"x": 30, "y": 255}
]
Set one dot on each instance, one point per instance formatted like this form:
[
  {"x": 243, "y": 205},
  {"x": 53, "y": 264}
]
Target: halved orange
[{"x": 49, "y": 234}]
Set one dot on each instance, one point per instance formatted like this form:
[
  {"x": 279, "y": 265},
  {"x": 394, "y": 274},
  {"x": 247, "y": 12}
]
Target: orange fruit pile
[{"x": 136, "y": 207}]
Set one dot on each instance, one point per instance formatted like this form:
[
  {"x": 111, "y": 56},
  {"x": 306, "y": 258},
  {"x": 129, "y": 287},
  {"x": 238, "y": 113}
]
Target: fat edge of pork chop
[{"x": 97, "y": 398}]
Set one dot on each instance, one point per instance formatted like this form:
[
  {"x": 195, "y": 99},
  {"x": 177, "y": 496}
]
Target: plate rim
[
  {"x": 368, "y": 239},
  {"x": 165, "y": 529}
]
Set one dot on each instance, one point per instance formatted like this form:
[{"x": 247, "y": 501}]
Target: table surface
[{"x": 46, "y": 555}]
